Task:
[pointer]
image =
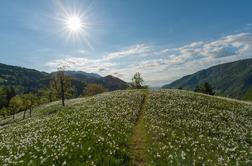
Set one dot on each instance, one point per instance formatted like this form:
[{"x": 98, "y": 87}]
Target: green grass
[
  {"x": 177, "y": 128},
  {"x": 95, "y": 131},
  {"x": 248, "y": 95},
  {"x": 193, "y": 129}
]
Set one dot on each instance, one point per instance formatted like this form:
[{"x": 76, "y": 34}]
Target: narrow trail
[{"x": 138, "y": 139}]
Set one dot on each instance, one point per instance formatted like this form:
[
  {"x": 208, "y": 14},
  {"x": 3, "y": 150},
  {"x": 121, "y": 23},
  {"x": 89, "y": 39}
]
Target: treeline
[
  {"x": 205, "y": 88},
  {"x": 60, "y": 88}
]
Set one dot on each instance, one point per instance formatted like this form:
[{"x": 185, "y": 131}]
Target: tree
[
  {"x": 46, "y": 95},
  {"x": 6, "y": 93},
  {"x": 93, "y": 89},
  {"x": 61, "y": 85},
  {"x": 4, "y": 112},
  {"x": 205, "y": 88},
  {"x": 10, "y": 92},
  {"x": 3, "y": 101},
  {"x": 16, "y": 104},
  {"x": 29, "y": 102},
  {"x": 137, "y": 81},
  {"x": 208, "y": 89},
  {"x": 198, "y": 88}
]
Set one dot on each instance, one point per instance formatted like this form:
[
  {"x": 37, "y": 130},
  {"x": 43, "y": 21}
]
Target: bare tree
[{"x": 61, "y": 85}]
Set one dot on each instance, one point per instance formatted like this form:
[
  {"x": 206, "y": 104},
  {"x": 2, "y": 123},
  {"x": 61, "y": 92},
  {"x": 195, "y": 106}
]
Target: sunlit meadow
[{"x": 93, "y": 131}]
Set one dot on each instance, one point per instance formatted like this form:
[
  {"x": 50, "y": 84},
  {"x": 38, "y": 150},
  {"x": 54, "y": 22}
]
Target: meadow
[
  {"x": 186, "y": 128},
  {"x": 178, "y": 128},
  {"x": 93, "y": 131}
]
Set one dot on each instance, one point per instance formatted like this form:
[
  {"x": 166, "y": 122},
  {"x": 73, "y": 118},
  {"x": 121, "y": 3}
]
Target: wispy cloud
[
  {"x": 139, "y": 49},
  {"x": 79, "y": 63},
  {"x": 161, "y": 65}
]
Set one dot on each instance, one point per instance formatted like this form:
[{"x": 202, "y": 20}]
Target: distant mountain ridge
[
  {"x": 22, "y": 78},
  {"x": 80, "y": 74},
  {"x": 26, "y": 80},
  {"x": 232, "y": 79}
]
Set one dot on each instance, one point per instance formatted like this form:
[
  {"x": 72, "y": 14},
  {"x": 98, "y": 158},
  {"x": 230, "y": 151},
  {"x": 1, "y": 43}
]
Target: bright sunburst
[{"x": 74, "y": 24}]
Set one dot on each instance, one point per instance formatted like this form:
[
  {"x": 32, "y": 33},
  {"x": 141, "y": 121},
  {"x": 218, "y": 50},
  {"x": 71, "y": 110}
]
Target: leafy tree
[
  {"x": 137, "y": 81},
  {"x": 29, "y": 102},
  {"x": 198, "y": 88},
  {"x": 205, "y": 88},
  {"x": 3, "y": 101},
  {"x": 93, "y": 89},
  {"x": 61, "y": 86},
  {"x": 4, "y": 112},
  {"x": 16, "y": 105},
  {"x": 208, "y": 89},
  {"x": 10, "y": 92},
  {"x": 46, "y": 95},
  {"x": 6, "y": 93}
]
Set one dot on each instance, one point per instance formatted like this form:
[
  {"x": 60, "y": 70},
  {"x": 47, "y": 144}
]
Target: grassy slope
[
  {"x": 180, "y": 127},
  {"x": 91, "y": 132},
  {"x": 188, "y": 128}
]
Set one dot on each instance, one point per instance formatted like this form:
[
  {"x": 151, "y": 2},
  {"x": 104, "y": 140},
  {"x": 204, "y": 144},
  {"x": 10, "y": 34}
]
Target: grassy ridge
[{"x": 191, "y": 129}]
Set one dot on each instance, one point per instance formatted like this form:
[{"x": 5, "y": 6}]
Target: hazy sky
[{"x": 162, "y": 39}]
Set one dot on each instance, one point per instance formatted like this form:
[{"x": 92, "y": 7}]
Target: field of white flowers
[
  {"x": 92, "y": 131},
  {"x": 180, "y": 128},
  {"x": 184, "y": 128}
]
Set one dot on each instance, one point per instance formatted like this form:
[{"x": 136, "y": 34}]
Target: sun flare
[{"x": 74, "y": 24}]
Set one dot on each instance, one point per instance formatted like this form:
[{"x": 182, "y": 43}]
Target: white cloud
[
  {"x": 161, "y": 65},
  {"x": 139, "y": 49},
  {"x": 83, "y": 64},
  {"x": 83, "y": 51},
  {"x": 192, "y": 57}
]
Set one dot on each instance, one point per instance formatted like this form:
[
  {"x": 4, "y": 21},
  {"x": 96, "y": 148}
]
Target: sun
[
  {"x": 74, "y": 24},
  {"x": 73, "y": 21}
]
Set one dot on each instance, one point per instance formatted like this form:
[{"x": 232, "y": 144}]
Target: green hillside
[
  {"x": 168, "y": 127},
  {"x": 22, "y": 79},
  {"x": 231, "y": 79},
  {"x": 26, "y": 80}
]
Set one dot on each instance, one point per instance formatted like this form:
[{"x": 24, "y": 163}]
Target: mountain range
[
  {"x": 26, "y": 80},
  {"x": 232, "y": 79}
]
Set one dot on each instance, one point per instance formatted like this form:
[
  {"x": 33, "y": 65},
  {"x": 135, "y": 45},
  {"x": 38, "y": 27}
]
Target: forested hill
[
  {"x": 230, "y": 79},
  {"x": 26, "y": 80},
  {"x": 22, "y": 79}
]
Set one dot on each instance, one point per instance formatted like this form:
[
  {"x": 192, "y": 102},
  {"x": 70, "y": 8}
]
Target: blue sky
[{"x": 162, "y": 39}]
